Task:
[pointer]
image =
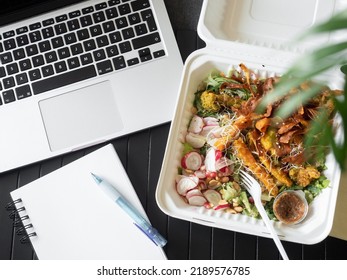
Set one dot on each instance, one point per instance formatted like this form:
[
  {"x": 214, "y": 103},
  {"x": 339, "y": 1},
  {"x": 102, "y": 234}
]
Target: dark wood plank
[
  {"x": 222, "y": 244},
  {"x": 315, "y": 251},
  {"x": 200, "y": 242},
  {"x": 245, "y": 247},
  {"x": 294, "y": 250},
  {"x": 266, "y": 249},
  {"x": 8, "y": 183},
  {"x": 336, "y": 249},
  {"x": 25, "y": 251},
  {"x": 178, "y": 234},
  {"x": 137, "y": 165}
]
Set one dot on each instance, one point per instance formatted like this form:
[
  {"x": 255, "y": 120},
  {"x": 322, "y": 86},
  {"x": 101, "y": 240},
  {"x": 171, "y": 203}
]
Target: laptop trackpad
[{"x": 80, "y": 116}]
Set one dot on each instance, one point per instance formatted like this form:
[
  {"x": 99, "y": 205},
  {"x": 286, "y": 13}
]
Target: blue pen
[{"x": 140, "y": 222}]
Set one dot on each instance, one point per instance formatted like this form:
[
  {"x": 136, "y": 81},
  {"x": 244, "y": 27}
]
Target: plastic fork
[{"x": 253, "y": 187}]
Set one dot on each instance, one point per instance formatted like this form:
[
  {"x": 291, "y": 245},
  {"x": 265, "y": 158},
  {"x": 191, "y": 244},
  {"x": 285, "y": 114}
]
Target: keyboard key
[
  {"x": 128, "y": 33},
  {"x": 147, "y": 16},
  {"x": 145, "y": 54},
  {"x": 112, "y": 51},
  {"x": 111, "y": 13},
  {"x": 104, "y": 67},
  {"x": 124, "y": 47},
  {"x": 8, "y": 34},
  {"x": 19, "y": 54},
  {"x": 35, "y": 36},
  {"x": 101, "y": 6},
  {"x": 102, "y": 41},
  {"x": 32, "y": 50},
  {"x": 21, "y": 78},
  {"x": 99, "y": 17},
  {"x": 119, "y": 62},
  {"x": 86, "y": 20},
  {"x": 2, "y": 72},
  {"x": 23, "y": 92},
  {"x": 64, "y": 79},
  {"x": 34, "y": 75},
  {"x": 47, "y": 70},
  {"x": 134, "y": 18},
  {"x": 47, "y": 32},
  {"x": 99, "y": 55},
  {"x": 121, "y": 22},
  {"x": 45, "y": 46},
  {"x": 87, "y": 10},
  {"x": 12, "y": 68},
  {"x": 60, "y": 28},
  {"x": 108, "y": 26},
  {"x": 74, "y": 14},
  {"x": 9, "y": 44},
  {"x": 133, "y": 61},
  {"x": 115, "y": 37},
  {"x": 73, "y": 62},
  {"x": 60, "y": 66},
  {"x": 113, "y": 2},
  {"x": 48, "y": 22},
  {"x": 95, "y": 30},
  {"x": 89, "y": 45},
  {"x": 139, "y": 5},
  {"x": 70, "y": 38},
  {"x": 141, "y": 29},
  {"x": 8, "y": 96},
  {"x": 86, "y": 58},
  {"x": 8, "y": 82},
  {"x": 76, "y": 49},
  {"x": 6, "y": 58},
  {"x": 124, "y": 9},
  {"x": 25, "y": 64},
  {"x": 64, "y": 53},
  {"x": 35, "y": 26},
  {"x": 51, "y": 56},
  {"x": 57, "y": 42},
  {"x": 73, "y": 24},
  {"x": 146, "y": 40},
  {"x": 22, "y": 40},
  {"x": 61, "y": 18},
  {"x": 22, "y": 30},
  {"x": 83, "y": 34},
  {"x": 38, "y": 60}
]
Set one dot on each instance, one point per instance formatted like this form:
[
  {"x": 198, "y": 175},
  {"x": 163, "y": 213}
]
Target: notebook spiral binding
[{"x": 18, "y": 223}]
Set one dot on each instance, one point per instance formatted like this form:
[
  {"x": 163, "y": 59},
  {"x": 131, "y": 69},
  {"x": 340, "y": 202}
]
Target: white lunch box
[{"x": 256, "y": 33}]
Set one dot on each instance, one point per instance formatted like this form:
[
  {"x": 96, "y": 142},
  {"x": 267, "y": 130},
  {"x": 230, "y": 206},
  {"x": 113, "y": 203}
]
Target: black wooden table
[{"x": 141, "y": 154}]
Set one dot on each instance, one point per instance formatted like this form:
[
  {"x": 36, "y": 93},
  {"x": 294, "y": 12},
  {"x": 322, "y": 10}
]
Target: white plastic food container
[{"x": 255, "y": 33}]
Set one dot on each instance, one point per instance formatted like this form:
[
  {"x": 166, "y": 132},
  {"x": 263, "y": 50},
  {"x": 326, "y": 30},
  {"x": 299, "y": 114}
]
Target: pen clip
[{"x": 150, "y": 237}]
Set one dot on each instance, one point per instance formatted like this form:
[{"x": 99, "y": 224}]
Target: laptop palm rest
[{"x": 80, "y": 116}]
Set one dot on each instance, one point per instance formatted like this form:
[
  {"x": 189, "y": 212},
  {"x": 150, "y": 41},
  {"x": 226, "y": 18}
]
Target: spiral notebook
[{"x": 66, "y": 216}]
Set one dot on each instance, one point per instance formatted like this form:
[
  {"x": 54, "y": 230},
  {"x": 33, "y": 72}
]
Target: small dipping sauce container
[{"x": 290, "y": 207}]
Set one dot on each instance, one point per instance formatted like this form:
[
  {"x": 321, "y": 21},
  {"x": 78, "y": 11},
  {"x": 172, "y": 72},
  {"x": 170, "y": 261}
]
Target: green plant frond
[
  {"x": 337, "y": 22},
  {"x": 301, "y": 97}
]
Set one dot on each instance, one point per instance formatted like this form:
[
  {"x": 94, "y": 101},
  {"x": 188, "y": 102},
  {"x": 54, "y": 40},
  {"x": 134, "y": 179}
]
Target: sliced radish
[
  {"x": 218, "y": 155},
  {"x": 211, "y": 121},
  {"x": 186, "y": 184},
  {"x": 207, "y": 130},
  {"x": 207, "y": 205},
  {"x": 212, "y": 196},
  {"x": 193, "y": 192},
  {"x": 196, "y": 124},
  {"x": 195, "y": 140},
  {"x": 191, "y": 161},
  {"x": 222, "y": 206},
  {"x": 210, "y": 160},
  {"x": 197, "y": 200},
  {"x": 200, "y": 174}
]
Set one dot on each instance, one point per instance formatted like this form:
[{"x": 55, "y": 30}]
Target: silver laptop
[{"x": 83, "y": 74}]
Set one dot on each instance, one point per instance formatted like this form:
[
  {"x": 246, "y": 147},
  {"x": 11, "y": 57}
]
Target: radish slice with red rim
[
  {"x": 191, "y": 161},
  {"x": 197, "y": 200},
  {"x": 186, "y": 184},
  {"x": 213, "y": 197},
  {"x": 196, "y": 124}
]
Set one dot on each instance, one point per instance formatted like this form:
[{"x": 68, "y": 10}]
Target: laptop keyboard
[{"x": 93, "y": 41}]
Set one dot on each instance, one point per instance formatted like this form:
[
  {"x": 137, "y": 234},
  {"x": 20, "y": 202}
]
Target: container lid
[{"x": 269, "y": 24}]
